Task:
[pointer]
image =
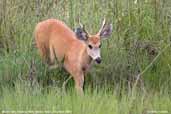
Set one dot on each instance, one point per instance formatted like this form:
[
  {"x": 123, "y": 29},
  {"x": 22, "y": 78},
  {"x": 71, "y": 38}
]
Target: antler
[
  {"x": 83, "y": 28},
  {"x": 81, "y": 25},
  {"x": 103, "y": 24}
]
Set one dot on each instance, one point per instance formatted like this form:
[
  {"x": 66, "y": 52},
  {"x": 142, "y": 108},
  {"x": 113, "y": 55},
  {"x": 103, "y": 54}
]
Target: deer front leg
[
  {"x": 79, "y": 83},
  {"x": 77, "y": 73}
]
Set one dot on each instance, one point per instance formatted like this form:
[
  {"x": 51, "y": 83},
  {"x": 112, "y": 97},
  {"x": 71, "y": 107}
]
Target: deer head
[{"x": 93, "y": 42}]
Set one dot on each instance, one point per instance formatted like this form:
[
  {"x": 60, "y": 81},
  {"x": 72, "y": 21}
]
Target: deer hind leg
[
  {"x": 43, "y": 53},
  {"x": 52, "y": 57}
]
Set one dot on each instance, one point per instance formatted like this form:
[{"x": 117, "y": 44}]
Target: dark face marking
[
  {"x": 100, "y": 45},
  {"x": 90, "y": 46}
]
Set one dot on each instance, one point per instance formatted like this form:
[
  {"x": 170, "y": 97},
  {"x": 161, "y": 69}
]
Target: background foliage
[{"x": 141, "y": 36}]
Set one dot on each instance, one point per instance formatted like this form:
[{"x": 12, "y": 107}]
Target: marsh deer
[{"x": 54, "y": 39}]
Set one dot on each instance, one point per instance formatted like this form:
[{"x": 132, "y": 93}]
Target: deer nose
[{"x": 98, "y": 60}]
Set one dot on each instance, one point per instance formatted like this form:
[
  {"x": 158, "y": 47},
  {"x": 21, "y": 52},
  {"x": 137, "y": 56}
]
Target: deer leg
[
  {"x": 65, "y": 82},
  {"x": 77, "y": 73},
  {"x": 51, "y": 63},
  {"x": 43, "y": 53},
  {"x": 79, "y": 82},
  {"x": 51, "y": 56}
]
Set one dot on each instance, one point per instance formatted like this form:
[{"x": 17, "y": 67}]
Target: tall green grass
[
  {"x": 24, "y": 98},
  {"x": 141, "y": 31}
]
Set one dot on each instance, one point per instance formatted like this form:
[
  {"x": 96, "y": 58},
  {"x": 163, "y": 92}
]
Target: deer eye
[
  {"x": 100, "y": 45},
  {"x": 90, "y": 46}
]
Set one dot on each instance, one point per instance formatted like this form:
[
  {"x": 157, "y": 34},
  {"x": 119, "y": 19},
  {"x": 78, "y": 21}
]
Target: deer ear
[
  {"x": 106, "y": 31},
  {"x": 81, "y": 34}
]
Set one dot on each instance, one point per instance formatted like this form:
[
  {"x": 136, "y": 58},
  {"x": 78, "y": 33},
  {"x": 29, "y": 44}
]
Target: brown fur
[
  {"x": 94, "y": 39},
  {"x": 54, "y": 39}
]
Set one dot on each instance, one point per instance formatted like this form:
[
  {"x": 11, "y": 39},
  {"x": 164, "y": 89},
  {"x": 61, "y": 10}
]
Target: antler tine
[
  {"x": 103, "y": 23},
  {"x": 83, "y": 27}
]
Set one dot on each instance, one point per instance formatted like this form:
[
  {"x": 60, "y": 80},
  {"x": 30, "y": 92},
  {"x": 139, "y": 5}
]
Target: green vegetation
[
  {"x": 102, "y": 102},
  {"x": 139, "y": 46}
]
